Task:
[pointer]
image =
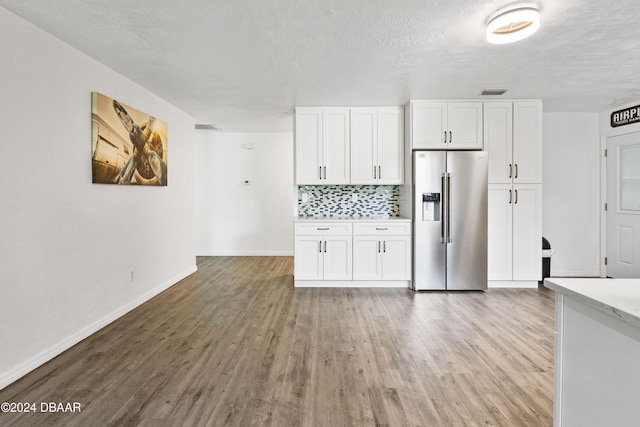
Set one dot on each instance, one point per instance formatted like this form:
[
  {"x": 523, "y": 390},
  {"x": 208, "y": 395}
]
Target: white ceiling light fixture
[{"x": 513, "y": 23}]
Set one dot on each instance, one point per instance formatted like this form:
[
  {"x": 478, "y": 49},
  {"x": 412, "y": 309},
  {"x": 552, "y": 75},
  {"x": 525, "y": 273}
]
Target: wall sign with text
[{"x": 625, "y": 117}]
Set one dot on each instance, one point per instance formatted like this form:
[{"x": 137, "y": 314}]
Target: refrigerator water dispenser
[{"x": 431, "y": 206}]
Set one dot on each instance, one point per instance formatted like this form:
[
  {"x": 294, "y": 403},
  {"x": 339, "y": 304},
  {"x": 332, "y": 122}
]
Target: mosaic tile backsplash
[{"x": 337, "y": 200}]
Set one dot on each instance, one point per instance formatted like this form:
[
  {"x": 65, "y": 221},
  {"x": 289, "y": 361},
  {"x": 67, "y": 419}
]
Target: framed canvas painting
[{"x": 128, "y": 146}]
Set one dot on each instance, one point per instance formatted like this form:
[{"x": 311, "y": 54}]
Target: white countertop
[
  {"x": 617, "y": 297},
  {"x": 349, "y": 218}
]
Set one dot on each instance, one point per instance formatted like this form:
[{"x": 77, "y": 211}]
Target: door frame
[{"x": 603, "y": 193}]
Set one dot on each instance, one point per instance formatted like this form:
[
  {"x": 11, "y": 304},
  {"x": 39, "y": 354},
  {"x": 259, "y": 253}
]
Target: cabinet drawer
[
  {"x": 382, "y": 228},
  {"x": 324, "y": 229}
]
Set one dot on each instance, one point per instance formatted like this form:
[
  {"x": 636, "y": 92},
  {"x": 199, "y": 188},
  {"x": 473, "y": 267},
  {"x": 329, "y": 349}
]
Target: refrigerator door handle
[
  {"x": 448, "y": 208},
  {"x": 442, "y": 209}
]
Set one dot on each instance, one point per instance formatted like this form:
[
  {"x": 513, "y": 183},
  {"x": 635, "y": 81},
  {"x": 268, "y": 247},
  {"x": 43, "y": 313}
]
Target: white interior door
[{"x": 623, "y": 206}]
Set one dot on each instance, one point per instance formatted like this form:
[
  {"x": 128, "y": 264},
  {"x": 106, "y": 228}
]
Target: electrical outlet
[{"x": 354, "y": 197}]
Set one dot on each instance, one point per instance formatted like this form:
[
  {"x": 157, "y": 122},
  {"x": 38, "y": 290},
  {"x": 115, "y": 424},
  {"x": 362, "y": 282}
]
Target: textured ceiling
[{"x": 244, "y": 64}]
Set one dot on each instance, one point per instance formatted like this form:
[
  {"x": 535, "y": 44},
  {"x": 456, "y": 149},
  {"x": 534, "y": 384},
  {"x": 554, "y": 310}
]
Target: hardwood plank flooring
[{"x": 235, "y": 344}]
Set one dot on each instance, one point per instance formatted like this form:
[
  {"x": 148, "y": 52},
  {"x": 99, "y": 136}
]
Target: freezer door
[
  {"x": 467, "y": 227},
  {"x": 429, "y": 246}
]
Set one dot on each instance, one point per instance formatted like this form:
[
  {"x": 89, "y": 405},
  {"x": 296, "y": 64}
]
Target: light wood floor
[{"x": 235, "y": 344}]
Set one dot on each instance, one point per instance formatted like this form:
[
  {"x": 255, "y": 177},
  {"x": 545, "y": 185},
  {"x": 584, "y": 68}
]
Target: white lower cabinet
[
  {"x": 515, "y": 234},
  {"x": 381, "y": 257},
  {"x": 373, "y": 254},
  {"x": 323, "y": 251}
]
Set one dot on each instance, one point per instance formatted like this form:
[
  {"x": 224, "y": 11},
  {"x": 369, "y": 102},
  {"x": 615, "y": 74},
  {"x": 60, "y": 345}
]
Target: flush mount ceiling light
[{"x": 513, "y": 23}]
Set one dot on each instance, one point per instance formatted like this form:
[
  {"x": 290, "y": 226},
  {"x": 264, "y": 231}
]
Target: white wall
[
  {"x": 571, "y": 196},
  {"x": 234, "y": 218},
  {"x": 67, "y": 245}
]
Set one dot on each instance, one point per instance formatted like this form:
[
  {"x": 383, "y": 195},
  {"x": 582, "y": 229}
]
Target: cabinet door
[
  {"x": 500, "y": 232},
  {"x": 428, "y": 124},
  {"x": 308, "y": 145},
  {"x": 338, "y": 257},
  {"x": 335, "y": 148},
  {"x": 527, "y": 232},
  {"x": 308, "y": 258},
  {"x": 364, "y": 143},
  {"x": 527, "y": 142},
  {"x": 391, "y": 145},
  {"x": 464, "y": 121},
  {"x": 396, "y": 258},
  {"x": 498, "y": 140},
  {"x": 366, "y": 258}
]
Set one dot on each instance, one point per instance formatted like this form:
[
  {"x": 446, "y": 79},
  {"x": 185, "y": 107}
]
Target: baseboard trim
[
  {"x": 40, "y": 359},
  {"x": 575, "y": 273},
  {"x": 513, "y": 284},
  {"x": 244, "y": 253},
  {"x": 352, "y": 283}
]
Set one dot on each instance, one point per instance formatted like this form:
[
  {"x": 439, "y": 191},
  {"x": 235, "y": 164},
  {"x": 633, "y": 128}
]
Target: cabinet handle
[
  {"x": 516, "y": 202},
  {"x": 510, "y": 170},
  {"x": 510, "y": 196},
  {"x": 379, "y": 172},
  {"x": 448, "y": 208},
  {"x": 374, "y": 173},
  {"x": 516, "y": 172},
  {"x": 442, "y": 210},
  {"x": 384, "y": 246},
  {"x": 325, "y": 246},
  {"x": 382, "y": 228},
  {"x": 450, "y": 137},
  {"x": 322, "y": 228},
  {"x": 325, "y": 172},
  {"x": 378, "y": 246},
  {"x": 320, "y": 246},
  {"x": 320, "y": 173},
  {"x": 445, "y": 136}
]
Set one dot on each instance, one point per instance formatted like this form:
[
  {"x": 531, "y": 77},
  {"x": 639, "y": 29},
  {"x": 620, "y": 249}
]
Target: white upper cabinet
[
  {"x": 527, "y": 142},
  {"x": 364, "y": 145},
  {"x": 322, "y": 146},
  {"x": 513, "y": 138},
  {"x": 391, "y": 145},
  {"x": 446, "y": 125},
  {"x": 377, "y": 145},
  {"x": 336, "y": 168},
  {"x": 498, "y": 140},
  {"x": 309, "y": 142}
]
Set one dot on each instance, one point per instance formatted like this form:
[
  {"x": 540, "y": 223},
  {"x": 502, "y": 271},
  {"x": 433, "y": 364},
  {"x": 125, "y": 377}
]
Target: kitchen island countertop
[{"x": 617, "y": 297}]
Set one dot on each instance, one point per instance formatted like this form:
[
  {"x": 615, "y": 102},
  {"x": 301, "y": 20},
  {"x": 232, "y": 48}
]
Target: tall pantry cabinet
[{"x": 513, "y": 138}]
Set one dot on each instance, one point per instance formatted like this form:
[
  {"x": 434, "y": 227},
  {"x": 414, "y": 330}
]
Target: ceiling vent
[
  {"x": 206, "y": 126},
  {"x": 494, "y": 92}
]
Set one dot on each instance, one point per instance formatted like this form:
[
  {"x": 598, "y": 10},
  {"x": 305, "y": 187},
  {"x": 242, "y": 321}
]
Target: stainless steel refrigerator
[{"x": 450, "y": 220}]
